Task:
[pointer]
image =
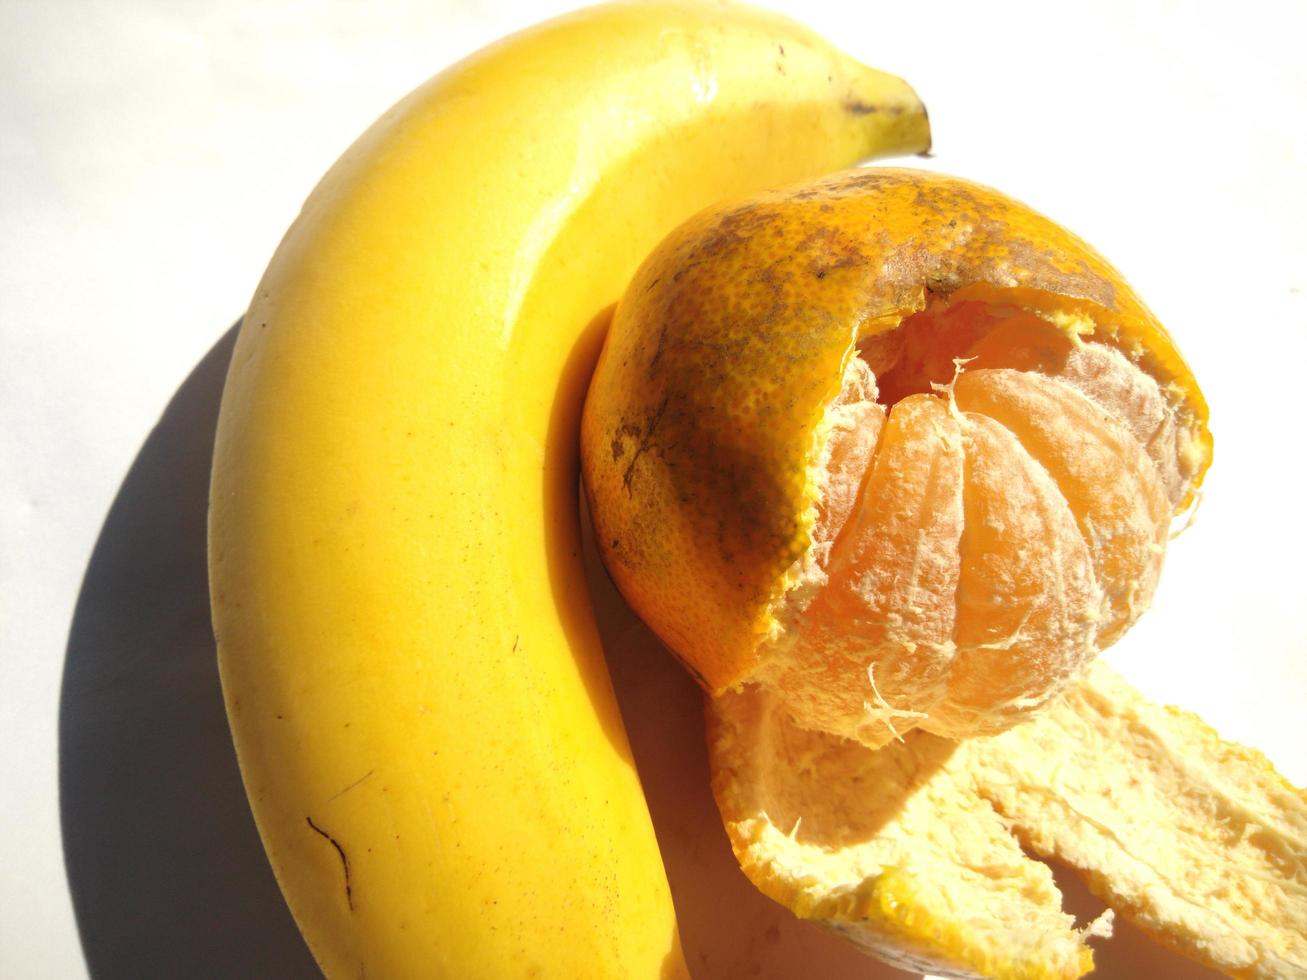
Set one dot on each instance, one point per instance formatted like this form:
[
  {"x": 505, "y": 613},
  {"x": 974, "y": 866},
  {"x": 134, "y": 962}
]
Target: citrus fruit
[{"x": 890, "y": 444}]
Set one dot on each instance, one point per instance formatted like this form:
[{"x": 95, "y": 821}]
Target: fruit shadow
[
  {"x": 166, "y": 870},
  {"x": 727, "y": 927},
  {"x": 562, "y": 489}
]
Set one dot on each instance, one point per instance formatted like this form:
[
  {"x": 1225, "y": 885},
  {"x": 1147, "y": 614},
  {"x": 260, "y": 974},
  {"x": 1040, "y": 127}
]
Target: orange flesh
[
  {"x": 1016, "y": 603},
  {"x": 892, "y": 574},
  {"x": 997, "y": 517}
]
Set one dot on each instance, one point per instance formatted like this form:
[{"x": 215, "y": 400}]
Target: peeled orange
[{"x": 893, "y": 444}]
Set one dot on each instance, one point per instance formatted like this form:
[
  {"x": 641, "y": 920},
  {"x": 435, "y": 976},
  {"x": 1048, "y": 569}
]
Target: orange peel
[{"x": 917, "y": 852}]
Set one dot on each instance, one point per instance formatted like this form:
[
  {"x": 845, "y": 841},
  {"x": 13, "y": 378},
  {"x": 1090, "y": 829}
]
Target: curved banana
[{"x": 420, "y": 705}]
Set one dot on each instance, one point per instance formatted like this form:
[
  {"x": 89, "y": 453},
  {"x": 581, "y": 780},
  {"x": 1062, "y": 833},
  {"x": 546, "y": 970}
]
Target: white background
[{"x": 153, "y": 151}]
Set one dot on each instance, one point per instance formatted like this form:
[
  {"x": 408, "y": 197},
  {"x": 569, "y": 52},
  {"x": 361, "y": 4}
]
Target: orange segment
[
  {"x": 888, "y": 598},
  {"x": 1027, "y": 599},
  {"x": 1107, "y": 378},
  {"x": 1110, "y": 484},
  {"x": 856, "y": 421}
]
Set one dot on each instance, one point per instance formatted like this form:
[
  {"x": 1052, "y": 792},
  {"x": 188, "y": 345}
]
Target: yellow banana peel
[{"x": 421, "y": 710}]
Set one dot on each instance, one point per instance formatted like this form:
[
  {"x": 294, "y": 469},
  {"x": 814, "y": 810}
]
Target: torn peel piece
[{"x": 914, "y": 851}]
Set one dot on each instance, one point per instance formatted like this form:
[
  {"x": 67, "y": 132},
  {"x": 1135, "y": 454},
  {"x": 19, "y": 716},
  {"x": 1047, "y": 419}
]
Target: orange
[{"x": 892, "y": 445}]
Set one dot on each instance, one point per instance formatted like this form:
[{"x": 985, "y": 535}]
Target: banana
[{"x": 415, "y": 685}]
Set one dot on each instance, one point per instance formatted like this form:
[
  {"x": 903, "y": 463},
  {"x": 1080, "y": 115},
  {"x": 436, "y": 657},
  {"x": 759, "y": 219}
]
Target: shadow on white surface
[
  {"x": 166, "y": 870},
  {"x": 1129, "y": 954}
]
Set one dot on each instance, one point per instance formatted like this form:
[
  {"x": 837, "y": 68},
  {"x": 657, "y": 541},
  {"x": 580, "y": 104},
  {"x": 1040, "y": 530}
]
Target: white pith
[{"x": 918, "y": 851}]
